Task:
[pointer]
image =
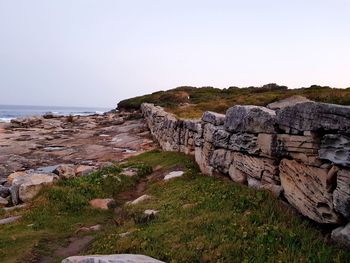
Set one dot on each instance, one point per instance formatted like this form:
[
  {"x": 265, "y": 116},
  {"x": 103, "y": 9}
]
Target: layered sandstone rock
[{"x": 307, "y": 189}]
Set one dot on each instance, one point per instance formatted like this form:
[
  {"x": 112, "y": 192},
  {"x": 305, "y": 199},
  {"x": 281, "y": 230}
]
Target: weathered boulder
[
  {"x": 65, "y": 171},
  {"x": 213, "y": 118},
  {"x": 267, "y": 144},
  {"x": 312, "y": 116},
  {"x": 307, "y": 189},
  {"x": 251, "y": 119},
  {"x": 244, "y": 142},
  {"x": 290, "y": 101},
  {"x": 341, "y": 235},
  {"x": 335, "y": 148},
  {"x": 341, "y": 195},
  {"x": 120, "y": 258},
  {"x": 103, "y": 204},
  {"x": 30, "y": 185}
]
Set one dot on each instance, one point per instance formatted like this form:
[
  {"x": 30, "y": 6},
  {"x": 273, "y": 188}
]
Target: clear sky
[{"x": 95, "y": 53}]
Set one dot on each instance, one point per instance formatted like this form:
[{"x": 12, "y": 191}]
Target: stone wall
[{"x": 299, "y": 151}]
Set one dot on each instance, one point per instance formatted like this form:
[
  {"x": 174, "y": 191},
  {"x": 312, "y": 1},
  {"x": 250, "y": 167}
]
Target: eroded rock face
[
  {"x": 307, "y": 189},
  {"x": 335, "y": 148},
  {"x": 120, "y": 258},
  {"x": 312, "y": 116},
  {"x": 27, "y": 122},
  {"x": 250, "y": 119},
  {"x": 341, "y": 195}
]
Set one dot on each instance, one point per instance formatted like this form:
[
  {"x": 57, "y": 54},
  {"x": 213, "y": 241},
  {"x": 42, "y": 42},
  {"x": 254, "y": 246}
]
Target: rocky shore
[{"x": 36, "y": 151}]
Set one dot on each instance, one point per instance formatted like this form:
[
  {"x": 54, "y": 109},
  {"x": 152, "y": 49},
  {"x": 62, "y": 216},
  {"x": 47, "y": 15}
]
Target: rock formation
[{"x": 301, "y": 150}]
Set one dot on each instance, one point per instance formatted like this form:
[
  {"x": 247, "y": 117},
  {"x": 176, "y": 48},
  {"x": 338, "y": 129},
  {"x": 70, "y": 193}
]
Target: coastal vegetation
[
  {"x": 200, "y": 219},
  {"x": 191, "y": 102}
]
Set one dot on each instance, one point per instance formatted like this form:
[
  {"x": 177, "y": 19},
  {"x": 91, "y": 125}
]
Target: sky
[{"x": 98, "y": 52}]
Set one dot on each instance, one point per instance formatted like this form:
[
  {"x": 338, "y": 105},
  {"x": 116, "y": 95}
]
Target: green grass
[
  {"x": 60, "y": 210},
  {"x": 200, "y": 219},
  {"x": 205, "y": 219},
  {"x": 202, "y": 99}
]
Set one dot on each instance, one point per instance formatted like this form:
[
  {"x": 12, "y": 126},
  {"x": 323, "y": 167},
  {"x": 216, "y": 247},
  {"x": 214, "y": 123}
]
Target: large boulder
[
  {"x": 29, "y": 185},
  {"x": 213, "y": 118},
  {"x": 308, "y": 189},
  {"x": 335, "y": 148},
  {"x": 312, "y": 116},
  {"x": 120, "y": 258},
  {"x": 251, "y": 119}
]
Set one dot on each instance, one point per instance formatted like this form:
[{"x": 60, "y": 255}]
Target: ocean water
[{"x": 9, "y": 112}]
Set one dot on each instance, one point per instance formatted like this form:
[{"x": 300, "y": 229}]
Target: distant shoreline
[{"x": 9, "y": 112}]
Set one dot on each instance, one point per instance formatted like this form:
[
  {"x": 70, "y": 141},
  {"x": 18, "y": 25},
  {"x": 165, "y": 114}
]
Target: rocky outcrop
[{"x": 300, "y": 151}]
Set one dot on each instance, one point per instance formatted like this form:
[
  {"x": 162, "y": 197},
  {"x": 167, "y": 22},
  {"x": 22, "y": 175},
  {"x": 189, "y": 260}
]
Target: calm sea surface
[{"x": 8, "y": 112}]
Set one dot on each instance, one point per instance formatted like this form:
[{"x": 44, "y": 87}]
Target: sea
[{"x": 9, "y": 112}]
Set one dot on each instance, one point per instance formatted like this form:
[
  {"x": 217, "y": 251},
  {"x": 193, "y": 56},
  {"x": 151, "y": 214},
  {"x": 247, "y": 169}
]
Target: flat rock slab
[
  {"x": 173, "y": 174},
  {"x": 118, "y": 258},
  {"x": 9, "y": 220}
]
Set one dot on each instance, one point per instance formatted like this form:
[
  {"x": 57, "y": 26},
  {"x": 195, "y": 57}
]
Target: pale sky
[{"x": 95, "y": 53}]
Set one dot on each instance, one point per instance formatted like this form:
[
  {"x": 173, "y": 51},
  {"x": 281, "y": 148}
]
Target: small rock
[
  {"x": 120, "y": 258},
  {"x": 213, "y": 118},
  {"x": 129, "y": 172},
  {"x": 9, "y": 220},
  {"x": 65, "y": 171},
  {"x": 150, "y": 212},
  {"x": 140, "y": 199},
  {"x": 341, "y": 235},
  {"x": 173, "y": 174},
  {"x": 124, "y": 234},
  {"x": 104, "y": 204}
]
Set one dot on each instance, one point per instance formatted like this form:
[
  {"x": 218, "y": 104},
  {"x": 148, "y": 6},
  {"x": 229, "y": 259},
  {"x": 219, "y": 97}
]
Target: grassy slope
[
  {"x": 201, "y": 219},
  {"x": 219, "y": 100}
]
